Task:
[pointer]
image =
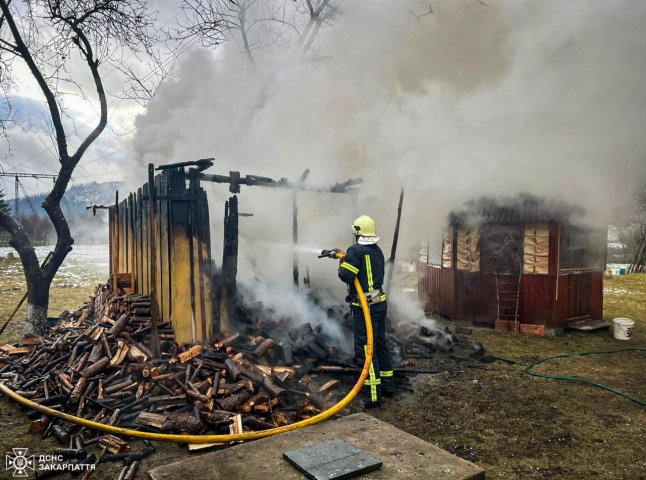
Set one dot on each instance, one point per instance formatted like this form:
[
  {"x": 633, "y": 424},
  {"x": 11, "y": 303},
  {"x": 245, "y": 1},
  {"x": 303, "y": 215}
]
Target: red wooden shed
[{"x": 523, "y": 265}]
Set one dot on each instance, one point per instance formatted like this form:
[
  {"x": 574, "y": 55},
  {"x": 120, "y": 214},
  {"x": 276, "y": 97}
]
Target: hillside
[{"x": 75, "y": 199}]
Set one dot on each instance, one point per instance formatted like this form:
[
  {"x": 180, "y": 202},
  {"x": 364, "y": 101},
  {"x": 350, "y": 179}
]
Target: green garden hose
[{"x": 529, "y": 371}]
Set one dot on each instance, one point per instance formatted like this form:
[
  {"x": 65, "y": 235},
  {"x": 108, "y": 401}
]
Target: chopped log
[
  {"x": 154, "y": 420},
  {"x": 231, "y": 388},
  {"x": 258, "y": 398},
  {"x": 328, "y": 385},
  {"x": 137, "y": 354},
  {"x": 115, "y": 417},
  {"x": 233, "y": 402},
  {"x": 100, "y": 388},
  {"x": 234, "y": 369},
  {"x": 79, "y": 389},
  {"x": 236, "y": 425},
  {"x": 131, "y": 474},
  {"x": 114, "y": 444},
  {"x": 217, "y": 418},
  {"x": 119, "y": 386},
  {"x": 151, "y": 372},
  {"x": 96, "y": 368},
  {"x": 82, "y": 362},
  {"x": 182, "y": 422},
  {"x": 197, "y": 371},
  {"x": 280, "y": 419},
  {"x": 166, "y": 401},
  {"x": 27, "y": 393},
  {"x": 97, "y": 353},
  {"x": 264, "y": 369},
  {"x": 227, "y": 341},
  {"x": 40, "y": 425},
  {"x": 163, "y": 377},
  {"x": 106, "y": 345},
  {"x": 263, "y": 347},
  {"x": 61, "y": 434},
  {"x": 193, "y": 447},
  {"x": 197, "y": 396},
  {"x": 257, "y": 424},
  {"x": 290, "y": 371},
  {"x": 131, "y": 456},
  {"x": 121, "y": 353},
  {"x": 282, "y": 377},
  {"x": 256, "y": 377},
  {"x": 65, "y": 380},
  {"x": 274, "y": 390},
  {"x": 95, "y": 335},
  {"x": 190, "y": 353},
  {"x": 145, "y": 350},
  {"x": 11, "y": 350},
  {"x": 135, "y": 367}
]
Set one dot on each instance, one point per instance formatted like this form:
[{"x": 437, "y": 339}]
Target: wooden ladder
[{"x": 508, "y": 295}]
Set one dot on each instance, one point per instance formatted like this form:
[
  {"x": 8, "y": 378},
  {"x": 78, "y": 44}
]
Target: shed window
[
  {"x": 536, "y": 248},
  {"x": 468, "y": 254},
  {"x": 582, "y": 248},
  {"x": 447, "y": 249},
  {"x": 423, "y": 252}
]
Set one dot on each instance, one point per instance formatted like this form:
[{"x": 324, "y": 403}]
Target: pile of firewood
[{"x": 96, "y": 363}]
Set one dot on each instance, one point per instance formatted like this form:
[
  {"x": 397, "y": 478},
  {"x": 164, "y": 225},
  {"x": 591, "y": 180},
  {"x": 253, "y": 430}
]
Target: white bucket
[{"x": 623, "y": 328}]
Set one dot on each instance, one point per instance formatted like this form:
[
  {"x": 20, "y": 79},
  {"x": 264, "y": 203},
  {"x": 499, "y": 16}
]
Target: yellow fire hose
[{"x": 237, "y": 437}]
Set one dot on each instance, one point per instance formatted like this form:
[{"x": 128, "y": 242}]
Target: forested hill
[{"x": 76, "y": 198}]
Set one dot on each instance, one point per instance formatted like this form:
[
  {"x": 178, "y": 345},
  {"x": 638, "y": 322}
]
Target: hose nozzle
[{"x": 335, "y": 253}]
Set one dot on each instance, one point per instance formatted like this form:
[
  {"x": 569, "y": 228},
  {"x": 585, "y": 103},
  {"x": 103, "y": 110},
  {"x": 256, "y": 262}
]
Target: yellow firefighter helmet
[{"x": 364, "y": 226}]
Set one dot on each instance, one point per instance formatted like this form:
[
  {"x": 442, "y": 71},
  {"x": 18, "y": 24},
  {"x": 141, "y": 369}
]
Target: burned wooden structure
[
  {"x": 160, "y": 245},
  {"x": 522, "y": 266},
  {"x": 225, "y": 284}
]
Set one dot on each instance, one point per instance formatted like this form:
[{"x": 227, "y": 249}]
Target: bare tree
[
  {"x": 633, "y": 235},
  {"x": 50, "y": 37},
  {"x": 256, "y": 24},
  {"x": 4, "y": 206}
]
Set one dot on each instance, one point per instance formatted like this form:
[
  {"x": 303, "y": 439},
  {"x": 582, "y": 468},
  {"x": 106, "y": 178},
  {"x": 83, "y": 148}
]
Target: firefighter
[{"x": 365, "y": 260}]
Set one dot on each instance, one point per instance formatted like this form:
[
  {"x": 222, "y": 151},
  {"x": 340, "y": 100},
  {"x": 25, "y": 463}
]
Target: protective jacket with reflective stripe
[{"x": 365, "y": 262}]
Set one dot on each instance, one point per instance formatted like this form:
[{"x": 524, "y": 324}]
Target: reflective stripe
[
  {"x": 350, "y": 267},
  {"x": 382, "y": 298},
  {"x": 371, "y": 286},
  {"x": 386, "y": 373},
  {"x": 372, "y": 383}
]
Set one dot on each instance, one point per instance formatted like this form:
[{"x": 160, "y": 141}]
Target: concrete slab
[
  {"x": 403, "y": 455},
  {"x": 332, "y": 460}
]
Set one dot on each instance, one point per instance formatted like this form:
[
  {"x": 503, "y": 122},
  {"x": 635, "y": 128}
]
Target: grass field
[
  {"x": 513, "y": 425},
  {"x": 84, "y": 268},
  {"x": 520, "y": 427}
]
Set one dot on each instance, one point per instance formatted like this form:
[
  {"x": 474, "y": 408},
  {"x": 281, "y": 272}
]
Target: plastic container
[{"x": 623, "y": 328}]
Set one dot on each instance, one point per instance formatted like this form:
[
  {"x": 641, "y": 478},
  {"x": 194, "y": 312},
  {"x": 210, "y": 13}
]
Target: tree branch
[{"x": 23, "y": 51}]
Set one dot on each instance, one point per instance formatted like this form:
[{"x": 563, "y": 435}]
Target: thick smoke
[{"x": 471, "y": 100}]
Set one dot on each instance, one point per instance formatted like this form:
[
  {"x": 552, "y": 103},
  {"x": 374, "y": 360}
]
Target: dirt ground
[{"x": 513, "y": 425}]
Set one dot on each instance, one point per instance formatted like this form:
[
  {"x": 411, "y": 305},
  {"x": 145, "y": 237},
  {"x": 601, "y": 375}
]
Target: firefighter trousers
[{"x": 381, "y": 371}]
